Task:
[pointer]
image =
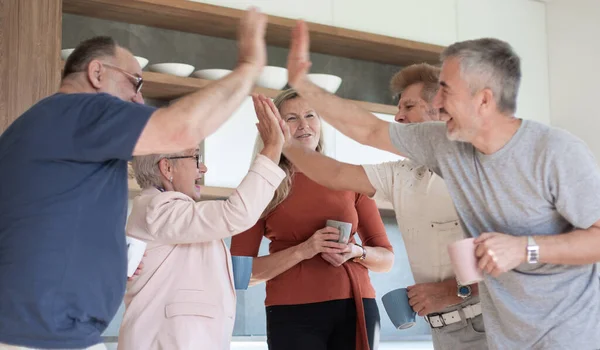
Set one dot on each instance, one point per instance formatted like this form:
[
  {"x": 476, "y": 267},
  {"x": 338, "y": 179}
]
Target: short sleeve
[
  {"x": 247, "y": 243},
  {"x": 370, "y": 226},
  {"x": 95, "y": 127},
  {"x": 575, "y": 184},
  {"x": 381, "y": 177},
  {"x": 420, "y": 141}
]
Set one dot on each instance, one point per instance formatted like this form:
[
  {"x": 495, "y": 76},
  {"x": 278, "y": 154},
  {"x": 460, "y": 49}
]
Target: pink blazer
[{"x": 185, "y": 297}]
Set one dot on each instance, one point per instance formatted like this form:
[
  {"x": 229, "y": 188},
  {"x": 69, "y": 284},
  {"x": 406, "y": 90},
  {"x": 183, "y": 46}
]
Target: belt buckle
[{"x": 439, "y": 315}]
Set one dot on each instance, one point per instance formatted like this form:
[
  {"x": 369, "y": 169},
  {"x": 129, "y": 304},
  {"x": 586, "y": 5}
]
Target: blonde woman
[{"x": 319, "y": 295}]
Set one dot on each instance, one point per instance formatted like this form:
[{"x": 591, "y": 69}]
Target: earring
[{"x": 171, "y": 179}]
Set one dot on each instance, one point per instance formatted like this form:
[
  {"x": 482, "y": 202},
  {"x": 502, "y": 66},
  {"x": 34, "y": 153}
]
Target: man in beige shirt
[{"x": 425, "y": 213}]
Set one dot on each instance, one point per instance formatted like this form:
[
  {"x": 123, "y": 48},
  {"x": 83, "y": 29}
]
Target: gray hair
[
  {"x": 146, "y": 171},
  {"x": 489, "y": 63}
]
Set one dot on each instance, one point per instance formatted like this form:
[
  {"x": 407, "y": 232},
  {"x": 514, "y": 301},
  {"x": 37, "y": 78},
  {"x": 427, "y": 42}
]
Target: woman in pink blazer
[{"x": 184, "y": 297}]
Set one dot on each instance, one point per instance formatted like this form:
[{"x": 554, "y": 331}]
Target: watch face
[{"x": 464, "y": 290}]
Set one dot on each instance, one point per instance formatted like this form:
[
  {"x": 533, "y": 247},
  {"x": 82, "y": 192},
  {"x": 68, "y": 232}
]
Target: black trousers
[{"x": 329, "y": 325}]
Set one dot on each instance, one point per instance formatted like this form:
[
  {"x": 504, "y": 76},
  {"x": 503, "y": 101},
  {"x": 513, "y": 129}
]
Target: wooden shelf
[
  {"x": 211, "y": 20},
  {"x": 167, "y": 87}
]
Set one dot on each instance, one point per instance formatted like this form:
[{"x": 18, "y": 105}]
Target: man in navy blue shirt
[{"x": 63, "y": 194}]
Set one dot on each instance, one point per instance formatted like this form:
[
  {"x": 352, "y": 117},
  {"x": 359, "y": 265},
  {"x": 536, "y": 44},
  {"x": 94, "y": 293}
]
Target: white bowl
[
  {"x": 64, "y": 53},
  {"x": 142, "y": 61},
  {"x": 326, "y": 81},
  {"x": 272, "y": 78},
  {"x": 178, "y": 69},
  {"x": 211, "y": 74}
]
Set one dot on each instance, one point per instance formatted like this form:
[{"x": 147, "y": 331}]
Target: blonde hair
[
  {"x": 423, "y": 73},
  {"x": 283, "y": 191}
]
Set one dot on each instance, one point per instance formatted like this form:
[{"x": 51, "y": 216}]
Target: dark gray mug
[
  {"x": 398, "y": 309},
  {"x": 242, "y": 270}
]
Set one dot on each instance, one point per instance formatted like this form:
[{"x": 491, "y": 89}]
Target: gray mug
[
  {"x": 398, "y": 309},
  {"x": 345, "y": 229},
  {"x": 242, "y": 271}
]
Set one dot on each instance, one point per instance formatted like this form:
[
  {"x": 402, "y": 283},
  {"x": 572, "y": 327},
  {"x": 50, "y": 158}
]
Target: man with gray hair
[
  {"x": 528, "y": 192},
  {"x": 63, "y": 202}
]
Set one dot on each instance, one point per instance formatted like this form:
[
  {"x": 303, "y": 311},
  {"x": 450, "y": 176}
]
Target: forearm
[
  {"x": 579, "y": 247},
  {"x": 272, "y": 152},
  {"x": 378, "y": 259},
  {"x": 347, "y": 117},
  {"x": 329, "y": 172},
  {"x": 207, "y": 109},
  {"x": 270, "y": 266}
]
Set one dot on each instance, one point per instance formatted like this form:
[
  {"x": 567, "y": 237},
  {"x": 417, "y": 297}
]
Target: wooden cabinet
[{"x": 30, "y": 33}]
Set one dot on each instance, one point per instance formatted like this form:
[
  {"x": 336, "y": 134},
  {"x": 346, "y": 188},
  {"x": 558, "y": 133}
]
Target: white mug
[{"x": 135, "y": 253}]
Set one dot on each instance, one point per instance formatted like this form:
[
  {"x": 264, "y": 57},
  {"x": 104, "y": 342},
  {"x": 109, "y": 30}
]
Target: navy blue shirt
[{"x": 63, "y": 206}]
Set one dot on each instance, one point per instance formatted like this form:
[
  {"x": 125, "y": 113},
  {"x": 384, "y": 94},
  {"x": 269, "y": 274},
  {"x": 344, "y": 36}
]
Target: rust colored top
[{"x": 306, "y": 210}]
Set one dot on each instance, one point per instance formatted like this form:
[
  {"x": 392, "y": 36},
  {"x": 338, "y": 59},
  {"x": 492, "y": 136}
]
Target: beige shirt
[{"x": 425, "y": 212}]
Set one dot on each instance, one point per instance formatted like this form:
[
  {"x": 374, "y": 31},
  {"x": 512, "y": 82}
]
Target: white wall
[
  {"x": 520, "y": 22},
  {"x": 574, "y": 55}
]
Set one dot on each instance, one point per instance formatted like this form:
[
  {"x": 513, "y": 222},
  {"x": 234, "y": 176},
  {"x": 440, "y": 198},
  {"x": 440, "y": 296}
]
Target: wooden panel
[
  {"x": 167, "y": 87},
  {"x": 30, "y": 38},
  {"x": 189, "y": 16}
]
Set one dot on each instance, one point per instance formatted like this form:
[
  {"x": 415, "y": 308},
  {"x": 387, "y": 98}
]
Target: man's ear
[
  {"x": 95, "y": 74},
  {"x": 487, "y": 102}
]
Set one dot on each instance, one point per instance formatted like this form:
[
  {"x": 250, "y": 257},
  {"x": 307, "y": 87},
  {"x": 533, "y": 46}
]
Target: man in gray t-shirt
[{"x": 528, "y": 192}]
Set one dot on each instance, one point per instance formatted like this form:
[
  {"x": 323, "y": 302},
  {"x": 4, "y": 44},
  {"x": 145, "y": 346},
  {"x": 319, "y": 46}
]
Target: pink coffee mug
[{"x": 464, "y": 261}]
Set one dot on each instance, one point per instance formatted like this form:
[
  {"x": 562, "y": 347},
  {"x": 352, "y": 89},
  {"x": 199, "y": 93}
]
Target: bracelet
[{"x": 364, "y": 253}]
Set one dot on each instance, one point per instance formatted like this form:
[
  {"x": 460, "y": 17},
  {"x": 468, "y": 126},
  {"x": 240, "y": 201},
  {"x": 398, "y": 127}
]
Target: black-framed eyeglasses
[
  {"x": 136, "y": 80},
  {"x": 198, "y": 158}
]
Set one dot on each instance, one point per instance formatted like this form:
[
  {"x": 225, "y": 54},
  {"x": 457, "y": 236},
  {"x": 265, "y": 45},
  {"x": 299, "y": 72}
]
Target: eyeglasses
[
  {"x": 198, "y": 158},
  {"x": 137, "y": 81}
]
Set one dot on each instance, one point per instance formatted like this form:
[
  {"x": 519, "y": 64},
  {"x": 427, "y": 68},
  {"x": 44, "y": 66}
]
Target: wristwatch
[
  {"x": 533, "y": 251},
  {"x": 364, "y": 253},
  {"x": 463, "y": 292}
]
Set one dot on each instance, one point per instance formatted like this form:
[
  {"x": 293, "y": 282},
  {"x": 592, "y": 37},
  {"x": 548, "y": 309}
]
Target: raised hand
[
  {"x": 298, "y": 62},
  {"x": 268, "y": 125},
  {"x": 274, "y": 113},
  {"x": 251, "y": 39}
]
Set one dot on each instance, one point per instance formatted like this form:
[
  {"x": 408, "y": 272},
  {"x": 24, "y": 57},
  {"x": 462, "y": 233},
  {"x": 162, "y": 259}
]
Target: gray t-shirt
[{"x": 544, "y": 181}]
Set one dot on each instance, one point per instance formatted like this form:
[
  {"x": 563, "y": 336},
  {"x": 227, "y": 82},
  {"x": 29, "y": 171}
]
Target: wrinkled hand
[
  {"x": 498, "y": 252},
  {"x": 351, "y": 251},
  {"x": 251, "y": 39},
  {"x": 138, "y": 271},
  {"x": 426, "y": 298},
  {"x": 322, "y": 241},
  {"x": 269, "y": 126},
  {"x": 298, "y": 62}
]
